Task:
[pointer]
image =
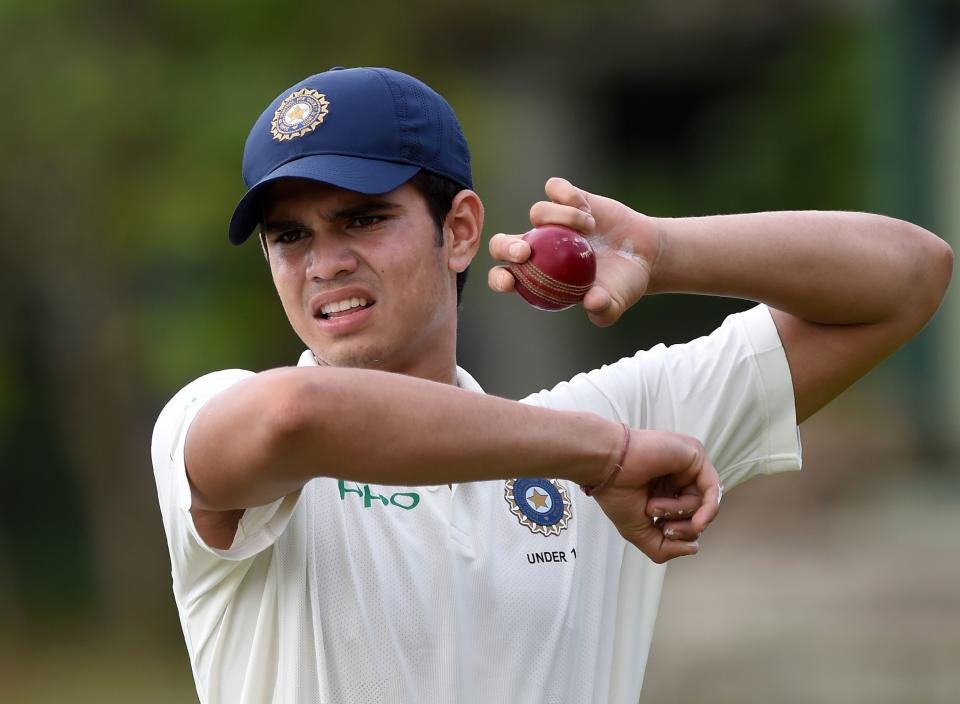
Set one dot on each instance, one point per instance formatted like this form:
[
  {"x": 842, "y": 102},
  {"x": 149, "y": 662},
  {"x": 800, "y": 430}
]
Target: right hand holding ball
[
  {"x": 621, "y": 243},
  {"x": 561, "y": 268}
]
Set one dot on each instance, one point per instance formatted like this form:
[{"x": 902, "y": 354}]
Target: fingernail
[
  {"x": 695, "y": 544},
  {"x": 658, "y": 513},
  {"x": 591, "y": 222},
  {"x": 516, "y": 249}
]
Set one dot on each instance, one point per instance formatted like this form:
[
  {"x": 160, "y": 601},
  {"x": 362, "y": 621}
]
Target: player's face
[{"x": 361, "y": 278}]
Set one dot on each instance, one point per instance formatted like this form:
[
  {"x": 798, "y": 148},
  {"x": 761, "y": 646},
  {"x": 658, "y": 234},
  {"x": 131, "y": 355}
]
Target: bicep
[{"x": 825, "y": 360}]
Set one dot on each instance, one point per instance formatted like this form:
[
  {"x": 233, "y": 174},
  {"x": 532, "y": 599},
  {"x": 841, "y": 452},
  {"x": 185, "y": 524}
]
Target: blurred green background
[{"x": 122, "y": 139}]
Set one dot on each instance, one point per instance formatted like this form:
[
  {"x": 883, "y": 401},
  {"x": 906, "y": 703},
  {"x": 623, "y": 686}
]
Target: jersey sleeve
[
  {"x": 259, "y": 527},
  {"x": 732, "y": 390}
]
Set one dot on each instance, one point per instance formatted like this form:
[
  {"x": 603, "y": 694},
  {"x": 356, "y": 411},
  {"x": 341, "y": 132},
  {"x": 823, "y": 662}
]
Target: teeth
[{"x": 340, "y": 306}]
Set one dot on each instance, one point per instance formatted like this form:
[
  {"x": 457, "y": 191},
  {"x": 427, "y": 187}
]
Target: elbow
[
  {"x": 929, "y": 276},
  {"x": 296, "y": 408},
  {"x": 247, "y": 445},
  {"x": 938, "y": 271},
  {"x": 946, "y": 265},
  {"x": 276, "y": 453},
  {"x": 303, "y": 419}
]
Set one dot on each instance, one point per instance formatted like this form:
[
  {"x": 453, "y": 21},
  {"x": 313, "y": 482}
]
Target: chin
[{"x": 356, "y": 359}]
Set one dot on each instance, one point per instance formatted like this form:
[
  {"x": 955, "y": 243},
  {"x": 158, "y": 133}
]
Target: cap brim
[{"x": 368, "y": 176}]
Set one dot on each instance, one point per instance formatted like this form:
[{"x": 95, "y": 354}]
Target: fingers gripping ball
[{"x": 561, "y": 268}]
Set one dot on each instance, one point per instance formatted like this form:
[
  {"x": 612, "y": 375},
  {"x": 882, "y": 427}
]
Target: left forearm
[{"x": 825, "y": 267}]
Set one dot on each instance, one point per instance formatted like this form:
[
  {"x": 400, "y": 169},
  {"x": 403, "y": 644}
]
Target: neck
[{"x": 446, "y": 374}]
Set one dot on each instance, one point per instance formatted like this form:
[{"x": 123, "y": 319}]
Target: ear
[{"x": 462, "y": 229}]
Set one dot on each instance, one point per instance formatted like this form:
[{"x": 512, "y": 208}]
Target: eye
[
  {"x": 290, "y": 236},
  {"x": 365, "y": 222}
]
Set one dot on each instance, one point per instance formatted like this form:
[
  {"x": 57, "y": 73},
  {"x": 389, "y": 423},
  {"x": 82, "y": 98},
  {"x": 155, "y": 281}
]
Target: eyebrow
[
  {"x": 364, "y": 207},
  {"x": 356, "y": 210},
  {"x": 271, "y": 226}
]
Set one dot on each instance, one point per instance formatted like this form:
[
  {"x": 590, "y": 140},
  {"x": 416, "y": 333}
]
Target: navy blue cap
[{"x": 368, "y": 130}]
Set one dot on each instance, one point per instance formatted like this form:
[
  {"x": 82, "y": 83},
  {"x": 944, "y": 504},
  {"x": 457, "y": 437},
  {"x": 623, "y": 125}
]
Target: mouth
[{"x": 344, "y": 308}]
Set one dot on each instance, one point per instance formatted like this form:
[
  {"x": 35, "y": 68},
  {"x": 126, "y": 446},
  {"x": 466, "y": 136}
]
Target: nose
[{"x": 330, "y": 257}]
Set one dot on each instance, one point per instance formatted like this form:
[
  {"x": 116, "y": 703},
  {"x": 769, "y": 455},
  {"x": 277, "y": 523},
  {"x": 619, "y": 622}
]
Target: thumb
[{"x": 601, "y": 308}]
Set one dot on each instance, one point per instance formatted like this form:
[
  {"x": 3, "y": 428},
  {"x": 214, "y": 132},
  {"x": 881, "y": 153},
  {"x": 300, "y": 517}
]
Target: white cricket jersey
[{"x": 499, "y": 591}]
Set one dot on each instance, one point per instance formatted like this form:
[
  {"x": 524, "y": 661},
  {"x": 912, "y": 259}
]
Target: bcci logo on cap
[
  {"x": 298, "y": 114},
  {"x": 542, "y": 505}
]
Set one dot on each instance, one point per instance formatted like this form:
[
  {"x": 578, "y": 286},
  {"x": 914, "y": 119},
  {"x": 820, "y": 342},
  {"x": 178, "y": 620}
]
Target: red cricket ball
[{"x": 561, "y": 268}]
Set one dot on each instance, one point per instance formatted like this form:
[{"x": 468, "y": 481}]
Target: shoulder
[
  {"x": 206, "y": 386},
  {"x": 632, "y": 388},
  {"x": 179, "y": 410}
]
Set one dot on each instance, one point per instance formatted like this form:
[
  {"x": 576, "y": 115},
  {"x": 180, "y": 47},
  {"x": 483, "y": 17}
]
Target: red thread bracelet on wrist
[{"x": 591, "y": 490}]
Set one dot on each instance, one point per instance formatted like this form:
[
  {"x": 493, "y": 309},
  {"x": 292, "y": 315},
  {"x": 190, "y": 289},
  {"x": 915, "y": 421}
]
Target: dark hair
[{"x": 439, "y": 193}]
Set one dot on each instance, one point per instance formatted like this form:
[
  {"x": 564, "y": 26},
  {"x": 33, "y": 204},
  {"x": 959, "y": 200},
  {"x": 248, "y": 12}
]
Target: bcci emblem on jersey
[
  {"x": 298, "y": 114},
  {"x": 542, "y": 505}
]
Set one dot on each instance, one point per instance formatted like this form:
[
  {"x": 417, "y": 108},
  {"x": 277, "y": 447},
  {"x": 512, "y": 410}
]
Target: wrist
[
  {"x": 610, "y": 474},
  {"x": 605, "y": 442},
  {"x": 659, "y": 262}
]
